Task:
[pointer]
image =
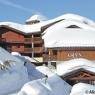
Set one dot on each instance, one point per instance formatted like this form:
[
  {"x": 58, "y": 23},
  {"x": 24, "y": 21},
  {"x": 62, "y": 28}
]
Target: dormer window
[
  {"x": 85, "y": 22},
  {"x": 73, "y": 26}
]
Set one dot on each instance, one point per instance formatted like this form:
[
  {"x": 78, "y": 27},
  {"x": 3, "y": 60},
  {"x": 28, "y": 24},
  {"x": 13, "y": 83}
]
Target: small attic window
[
  {"x": 85, "y": 22},
  {"x": 73, "y": 26}
]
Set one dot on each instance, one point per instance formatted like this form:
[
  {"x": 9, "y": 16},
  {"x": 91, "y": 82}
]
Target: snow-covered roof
[
  {"x": 21, "y": 27},
  {"x": 53, "y": 86},
  {"x": 83, "y": 89},
  {"x": 75, "y": 64},
  {"x": 59, "y": 36},
  {"x": 37, "y": 17},
  {"x": 35, "y": 28},
  {"x": 74, "y": 17}
]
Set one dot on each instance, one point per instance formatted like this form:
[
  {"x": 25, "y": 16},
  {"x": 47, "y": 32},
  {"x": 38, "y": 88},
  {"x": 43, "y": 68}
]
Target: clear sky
[{"x": 20, "y": 10}]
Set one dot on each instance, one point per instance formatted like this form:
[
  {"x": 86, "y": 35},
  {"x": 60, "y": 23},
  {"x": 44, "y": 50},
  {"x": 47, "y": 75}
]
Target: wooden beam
[{"x": 83, "y": 78}]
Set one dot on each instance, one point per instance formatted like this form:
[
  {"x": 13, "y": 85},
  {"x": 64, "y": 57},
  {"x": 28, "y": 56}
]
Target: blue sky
[{"x": 20, "y": 10}]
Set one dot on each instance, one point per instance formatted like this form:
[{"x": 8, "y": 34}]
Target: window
[
  {"x": 53, "y": 64},
  {"x": 37, "y": 45},
  {"x": 73, "y": 26},
  {"x": 37, "y": 55},
  {"x": 28, "y": 36},
  {"x": 54, "y": 52},
  {"x": 28, "y": 45},
  {"x": 37, "y": 35},
  {"x": 18, "y": 46}
]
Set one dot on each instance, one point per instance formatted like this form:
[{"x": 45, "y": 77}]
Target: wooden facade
[
  {"x": 33, "y": 45},
  {"x": 80, "y": 75},
  {"x": 63, "y": 54},
  {"x": 26, "y": 44}
]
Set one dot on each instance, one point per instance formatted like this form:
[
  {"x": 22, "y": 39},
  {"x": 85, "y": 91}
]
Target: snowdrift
[
  {"x": 83, "y": 89},
  {"x": 16, "y": 74},
  {"x": 53, "y": 86}
]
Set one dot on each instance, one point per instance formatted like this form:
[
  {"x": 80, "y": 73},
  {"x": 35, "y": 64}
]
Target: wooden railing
[
  {"x": 49, "y": 58},
  {"x": 37, "y": 38},
  {"x": 28, "y": 50},
  {"x": 28, "y": 40},
  {"x": 38, "y": 49},
  {"x": 3, "y": 39}
]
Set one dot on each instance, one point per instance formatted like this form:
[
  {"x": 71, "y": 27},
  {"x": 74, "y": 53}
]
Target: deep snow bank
[
  {"x": 53, "y": 86},
  {"x": 83, "y": 89},
  {"x": 15, "y": 76}
]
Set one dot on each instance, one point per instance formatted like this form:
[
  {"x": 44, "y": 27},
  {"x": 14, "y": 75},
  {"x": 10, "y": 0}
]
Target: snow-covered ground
[
  {"x": 14, "y": 73},
  {"x": 83, "y": 89},
  {"x": 23, "y": 78},
  {"x": 53, "y": 86},
  {"x": 14, "y": 76}
]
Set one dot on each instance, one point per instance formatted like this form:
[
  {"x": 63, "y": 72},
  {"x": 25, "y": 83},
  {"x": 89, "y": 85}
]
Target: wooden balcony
[
  {"x": 28, "y": 40},
  {"x": 49, "y": 58},
  {"x": 37, "y": 40},
  {"x": 15, "y": 41},
  {"x": 10, "y": 41},
  {"x": 2, "y": 40},
  {"x": 28, "y": 50},
  {"x": 38, "y": 50}
]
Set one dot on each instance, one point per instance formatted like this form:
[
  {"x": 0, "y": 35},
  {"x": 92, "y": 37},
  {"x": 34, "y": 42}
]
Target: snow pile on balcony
[
  {"x": 53, "y": 86},
  {"x": 83, "y": 89},
  {"x": 75, "y": 64}
]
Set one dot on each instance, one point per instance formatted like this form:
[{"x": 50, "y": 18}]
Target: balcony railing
[
  {"x": 2, "y": 39},
  {"x": 38, "y": 49},
  {"x": 28, "y": 50},
  {"x": 35, "y": 50},
  {"x": 49, "y": 58},
  {"x": 28, "y": 40},
  {"x": 14, "y": 41},
  {"x": 37, "y": 38}
]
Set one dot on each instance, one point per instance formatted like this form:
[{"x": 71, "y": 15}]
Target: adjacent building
[
  {"x": 70, "y": 38},
  {"x": 25, "y": 39}
]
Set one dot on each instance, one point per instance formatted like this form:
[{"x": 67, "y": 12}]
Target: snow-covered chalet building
[
  {"x": 62, "y": 38},
  {"x": 72, "y": 37}
]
